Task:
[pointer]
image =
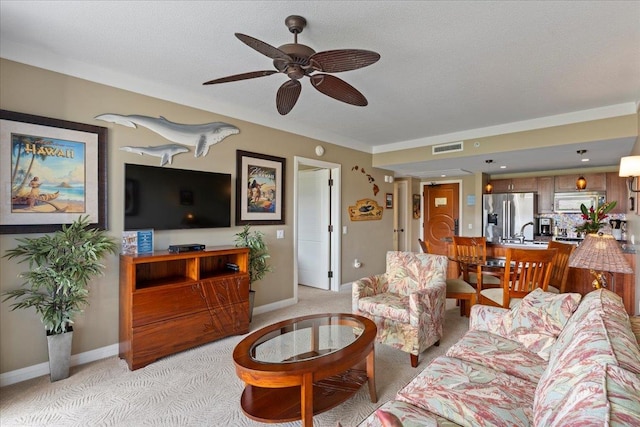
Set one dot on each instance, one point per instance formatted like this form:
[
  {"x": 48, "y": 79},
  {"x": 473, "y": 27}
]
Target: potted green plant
[
  {"x": 61, "y": 265},
  {"x": 258, "y": 256},
  {"x": 594, "y": 217}
]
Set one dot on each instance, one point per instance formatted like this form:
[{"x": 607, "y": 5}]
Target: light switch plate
[{"x": 279, "y": 234}]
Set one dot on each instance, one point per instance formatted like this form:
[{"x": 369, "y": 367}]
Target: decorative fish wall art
[
  {"x": 165, "y": 152},
  {"x": 200, "y": 136}
]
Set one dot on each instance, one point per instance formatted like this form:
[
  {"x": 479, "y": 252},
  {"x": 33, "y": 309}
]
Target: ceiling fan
[{"x": 297, "y": 61}]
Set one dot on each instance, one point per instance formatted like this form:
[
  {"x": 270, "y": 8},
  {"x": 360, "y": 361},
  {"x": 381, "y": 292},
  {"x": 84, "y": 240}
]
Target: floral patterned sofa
[{"x": 551, "y": 361}]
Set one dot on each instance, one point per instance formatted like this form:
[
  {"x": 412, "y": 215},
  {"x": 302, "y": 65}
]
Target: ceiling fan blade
[
  {"x": 243, "y": 76},
  {"x": 338, "y": 89},
  {"x": 288, "y": 96},
  {"x": 263, "y": 48},
  {"x": 336, "y": 61}
]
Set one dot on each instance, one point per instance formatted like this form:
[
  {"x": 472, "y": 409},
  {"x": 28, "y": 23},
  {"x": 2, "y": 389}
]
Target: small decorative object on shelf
[{"x": 594, "y": 217}]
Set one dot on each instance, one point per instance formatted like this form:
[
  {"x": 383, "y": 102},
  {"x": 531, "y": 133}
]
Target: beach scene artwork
[
  {"x": 47, "y": 175},
  {"x": 261, "y": 189}
]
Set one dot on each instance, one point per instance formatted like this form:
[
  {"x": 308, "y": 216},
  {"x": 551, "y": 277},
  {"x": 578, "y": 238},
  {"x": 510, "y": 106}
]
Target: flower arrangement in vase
[{"x": 594, "y": 217}]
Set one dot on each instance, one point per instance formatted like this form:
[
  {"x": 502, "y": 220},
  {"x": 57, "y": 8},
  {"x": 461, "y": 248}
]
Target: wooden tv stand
[{"x": 170, "y": 302}]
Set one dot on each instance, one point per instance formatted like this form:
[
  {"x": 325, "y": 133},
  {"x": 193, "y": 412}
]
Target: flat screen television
[{"x": 170, "y": 199}]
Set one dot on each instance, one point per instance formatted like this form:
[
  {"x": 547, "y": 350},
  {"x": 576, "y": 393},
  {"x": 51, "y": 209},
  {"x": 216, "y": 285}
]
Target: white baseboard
[{"x": 41, "y": 369}]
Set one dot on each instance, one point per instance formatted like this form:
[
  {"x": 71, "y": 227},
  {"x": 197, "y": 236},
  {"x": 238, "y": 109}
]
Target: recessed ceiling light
[
  {"x": 503, "y": 167},
  {"x": 443, "y": 176},
  {"x": 584, "y": 160}
]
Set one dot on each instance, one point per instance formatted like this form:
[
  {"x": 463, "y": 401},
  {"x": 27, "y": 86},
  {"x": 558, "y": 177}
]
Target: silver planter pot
[{"x": 59, "y": 355}]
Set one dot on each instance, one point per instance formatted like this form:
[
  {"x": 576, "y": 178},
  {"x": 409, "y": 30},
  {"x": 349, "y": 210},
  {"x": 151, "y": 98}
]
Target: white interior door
[{"x": 313, "y": 228}]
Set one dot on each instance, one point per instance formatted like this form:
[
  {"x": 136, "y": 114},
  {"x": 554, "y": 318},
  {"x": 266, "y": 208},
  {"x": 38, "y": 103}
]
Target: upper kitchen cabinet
[
  {"x": 595, "y": 182},
  {"x": 515, "y": 185},
  {"x": 617, "y": 190},
  {"x": 545, "y": 194}
]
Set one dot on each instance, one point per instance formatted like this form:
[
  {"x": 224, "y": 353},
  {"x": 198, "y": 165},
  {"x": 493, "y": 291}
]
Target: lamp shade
[
  {"x": 600, "y": 252},
  {"x": 629, "y": 166}
]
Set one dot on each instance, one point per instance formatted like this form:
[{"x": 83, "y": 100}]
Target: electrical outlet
[{"x": 470, "y": 226}]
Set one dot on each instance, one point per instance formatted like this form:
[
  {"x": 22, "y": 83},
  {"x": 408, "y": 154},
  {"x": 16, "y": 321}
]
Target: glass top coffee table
[{"x": 303, "y": 366}]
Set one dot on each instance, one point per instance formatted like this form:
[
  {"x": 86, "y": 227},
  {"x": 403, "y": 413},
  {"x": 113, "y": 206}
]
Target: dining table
[{"x": 493, "y": 266}]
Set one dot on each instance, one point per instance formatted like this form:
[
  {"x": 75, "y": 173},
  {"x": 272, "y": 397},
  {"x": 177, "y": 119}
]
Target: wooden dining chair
[
  {"x": 560, "y": 272},
  {"x": 474, "y": 248},
  {"x": 524, "y": 271},
  {"x": 464, "y": 294},
  {"x": 425, "y": 246}
]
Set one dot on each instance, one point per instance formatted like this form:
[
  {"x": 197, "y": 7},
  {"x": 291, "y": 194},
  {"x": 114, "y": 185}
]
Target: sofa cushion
[
  {"x": 623, "y": 392},
  {"x": 585, "y": 346},
  {"x": 388, "y": 305},
  {"x": 470, "y": 394},
  {"x": 500, "y": 354},
  {"x": 406, "y": 271},
  {"x": 538, "y": 320},
  {"x": 609, "y": 339},
  {"x": 584, "y": 401}
]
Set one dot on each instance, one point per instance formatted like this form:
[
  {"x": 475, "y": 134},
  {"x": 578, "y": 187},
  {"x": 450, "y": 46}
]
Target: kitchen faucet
[{"x": 520, "y": 235}]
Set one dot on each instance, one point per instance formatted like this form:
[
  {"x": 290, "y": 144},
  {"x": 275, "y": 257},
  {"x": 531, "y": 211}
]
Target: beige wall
[
  {"x": 633, "y": 221},
  {"x": 32, "y": 90}
]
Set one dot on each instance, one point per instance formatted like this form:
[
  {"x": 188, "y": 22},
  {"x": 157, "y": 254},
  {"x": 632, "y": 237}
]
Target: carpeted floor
[{"x": 197, "y": 387}]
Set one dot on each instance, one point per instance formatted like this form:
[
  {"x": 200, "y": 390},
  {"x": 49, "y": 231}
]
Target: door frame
[
  {"x": 424, "y": 184},
  {"x": 335, "y": 241},
  {"x": 404, "y": 202}
]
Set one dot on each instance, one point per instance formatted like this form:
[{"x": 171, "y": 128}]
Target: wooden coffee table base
[
  {"x": 277, "y": 405},
  {"x": 313, "y": 380}
]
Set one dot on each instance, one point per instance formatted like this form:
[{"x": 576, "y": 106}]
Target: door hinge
[
  {"x": 330, "y": 182},
  {"x": 330, "y": 274},
  {"x": 330, "y": 228}
]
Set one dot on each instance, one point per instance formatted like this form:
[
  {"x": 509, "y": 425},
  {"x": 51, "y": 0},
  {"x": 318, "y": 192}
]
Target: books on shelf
[{"x": 137, "y": 241}]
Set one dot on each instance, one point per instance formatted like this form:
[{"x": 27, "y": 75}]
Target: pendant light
[
  {"x": 581, "y": 182},
  {"x": 488, "y": 189}
]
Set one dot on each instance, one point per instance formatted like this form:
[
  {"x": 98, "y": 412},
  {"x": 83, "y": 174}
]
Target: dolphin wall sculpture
[
  {"x": 201, "y": 136},
  {"x": 165, "y": 152}
]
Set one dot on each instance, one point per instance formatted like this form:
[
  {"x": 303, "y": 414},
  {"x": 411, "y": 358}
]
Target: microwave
[{"x": 570, "y": 202}]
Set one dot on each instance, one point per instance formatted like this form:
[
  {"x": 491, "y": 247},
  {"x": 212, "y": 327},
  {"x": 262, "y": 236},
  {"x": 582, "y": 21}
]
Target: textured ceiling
[{"x": 448, "y": 69}]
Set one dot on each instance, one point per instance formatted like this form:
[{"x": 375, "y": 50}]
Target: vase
[{"x": 59, "y": 346}]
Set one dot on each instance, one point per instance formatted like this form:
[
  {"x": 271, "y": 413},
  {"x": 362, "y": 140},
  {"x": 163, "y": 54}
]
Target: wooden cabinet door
[
  {"x": 595, "y": 182},
  {"x": 501, "y": 185},
  {"x": 523, "y": 185},
  {"x": 566, "y": 183},
  {"x": 545, "y": 194},
  {"x": 617, "y": 190}
]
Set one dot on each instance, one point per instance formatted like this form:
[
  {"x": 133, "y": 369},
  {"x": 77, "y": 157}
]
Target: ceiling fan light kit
[{"x": 297, "y": 61}]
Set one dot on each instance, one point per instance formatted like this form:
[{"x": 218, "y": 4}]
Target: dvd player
[{"x": 192, "y": 247}]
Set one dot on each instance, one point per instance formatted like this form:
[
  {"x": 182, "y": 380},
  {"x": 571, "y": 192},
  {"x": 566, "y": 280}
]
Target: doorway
[
  {"x": 313, "y": 227},
  {"x": 317, "y": 224},
  {"x": 441, "y": 216}
]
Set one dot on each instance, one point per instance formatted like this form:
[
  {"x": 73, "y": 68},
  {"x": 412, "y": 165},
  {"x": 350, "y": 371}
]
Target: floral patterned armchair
[{"x": 407, "y": 302}]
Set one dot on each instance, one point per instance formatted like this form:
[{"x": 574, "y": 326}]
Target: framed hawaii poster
[
  {"x": 51, "y": 172},
  {"x": 259, "y": 188}
]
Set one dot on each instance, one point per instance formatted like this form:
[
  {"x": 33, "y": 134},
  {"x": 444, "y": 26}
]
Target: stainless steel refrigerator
[{"x": 504, "y": 215}]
